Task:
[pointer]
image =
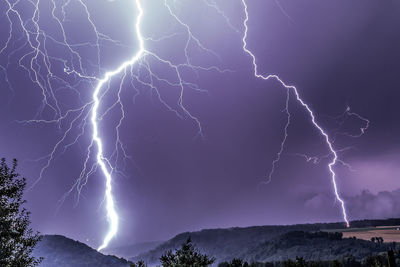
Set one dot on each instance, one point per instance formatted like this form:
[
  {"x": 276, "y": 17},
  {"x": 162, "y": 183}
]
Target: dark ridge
[
  {"x": 274, "y": 242},
  {"x": 60, "y": 251}
]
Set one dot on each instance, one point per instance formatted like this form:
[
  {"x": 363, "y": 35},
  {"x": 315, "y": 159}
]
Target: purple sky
[{"x": 338, "y": 54}]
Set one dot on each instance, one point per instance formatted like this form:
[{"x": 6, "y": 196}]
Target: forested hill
[
  {"x": 60, "y": 251},
  {"x": 270, "y": 243},
  {"x": 314, "y": 246}
]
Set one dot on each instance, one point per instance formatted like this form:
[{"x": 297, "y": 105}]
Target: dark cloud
[
  {"x": 385, "y": 204},
  {"x": 366, "y": 205}
]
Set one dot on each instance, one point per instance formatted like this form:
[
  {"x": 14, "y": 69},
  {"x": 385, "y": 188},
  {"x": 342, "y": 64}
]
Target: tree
[
  {"x": 300, "y": 262},
  {"x": 139, "y": 264},
  {"x": 336, "y": 263},
  {"x": 186, "y": 256},
  {"x": 377, "y": 239},
  {"x": 391, "y": 258},
  {"x": 17, "y": 240},
  {"x": 236, "y": 263}
]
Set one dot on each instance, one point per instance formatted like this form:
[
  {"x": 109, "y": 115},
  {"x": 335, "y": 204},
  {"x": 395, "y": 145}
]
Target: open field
[{"x": 388, "y": 233}]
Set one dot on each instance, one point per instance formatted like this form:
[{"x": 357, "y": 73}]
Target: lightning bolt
[
  {"x": 74, "y": 123},
  {"x": 43, "y": 67},
  {"x": 307, "y": 108},
  {"x": 111, "y": 212},
  {"x": 348, "y": 114}
]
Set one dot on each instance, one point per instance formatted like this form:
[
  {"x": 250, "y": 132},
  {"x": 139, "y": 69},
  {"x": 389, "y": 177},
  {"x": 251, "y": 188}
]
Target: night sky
[{"x": 338, "y": 54}]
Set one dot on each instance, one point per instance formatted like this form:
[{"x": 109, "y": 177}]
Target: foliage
[
  {"x": 313, "y": 246},
  {"x": 186, "y": 256},
  {"x": 139, "y": 264},
  {"x": 377, "y": 239},
  {"x": 17, "y": 240}
]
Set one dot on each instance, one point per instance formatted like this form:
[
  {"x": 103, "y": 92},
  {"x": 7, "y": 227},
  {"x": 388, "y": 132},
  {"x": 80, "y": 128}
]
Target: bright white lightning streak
[
  {"x": 300, "y": 100},
  {"x": 77, "y": 117},
  {"x": 110, "y": 206}
]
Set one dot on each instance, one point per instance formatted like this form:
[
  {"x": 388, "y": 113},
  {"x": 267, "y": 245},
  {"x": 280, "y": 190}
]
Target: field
[{"x": 388, "y": 233}]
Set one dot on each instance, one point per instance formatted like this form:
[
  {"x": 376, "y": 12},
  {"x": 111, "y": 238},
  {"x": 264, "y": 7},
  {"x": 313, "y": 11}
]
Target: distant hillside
[
  {"x": 270, "y": 243},
  {"x": 313, "y": 247},
  {"x": 132, "y": 250},
  {"x": 59, "y": 251}
]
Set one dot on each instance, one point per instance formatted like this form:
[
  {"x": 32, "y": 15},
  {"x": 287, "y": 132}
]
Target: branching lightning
[
  {"x": 332, "y": 164},
  {"x": 76, "y": 122},
  {"x": 33, "y": 53}
]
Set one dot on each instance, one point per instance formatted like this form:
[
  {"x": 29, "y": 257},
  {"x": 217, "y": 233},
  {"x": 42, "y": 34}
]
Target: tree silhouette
[
  {"x": 377, "y": 239},
  {"x": 139, "y": 264},
  {"x": 186, "y": 256},
  {"x": 236, "y": 263},
  {"x": 17, "y": 240}
]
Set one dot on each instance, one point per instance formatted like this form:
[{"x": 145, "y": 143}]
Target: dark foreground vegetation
[
  {"x": 17, "y": 240},
  {"x": 188, "y": 256}
]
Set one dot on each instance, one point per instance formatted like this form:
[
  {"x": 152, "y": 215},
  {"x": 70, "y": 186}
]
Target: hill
[
  {"x": 60, "y": 251},
  {"x": 132, "y": 250},
  {"x": 273, "y": 243},
  {"x": 315, "y": 246},
  {"x": 388, "y": 233}
]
